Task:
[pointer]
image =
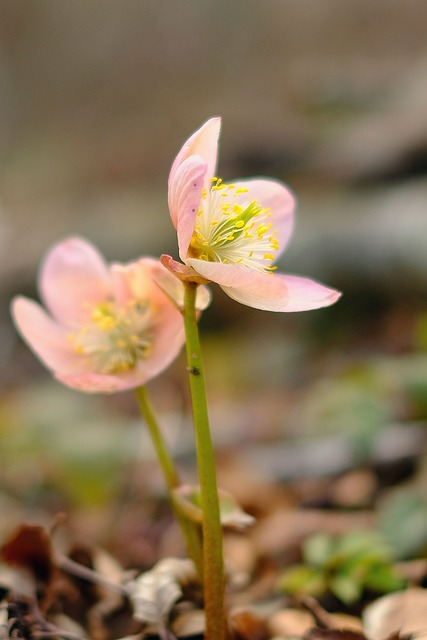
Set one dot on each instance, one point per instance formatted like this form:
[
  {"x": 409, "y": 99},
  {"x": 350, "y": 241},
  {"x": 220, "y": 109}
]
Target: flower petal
[
  {"x": 303, "y": 294},
  {"x": 184, "y": 196},
  {"x": 174, "y": 288},
  {"x": 73, "y": 277},
  {"x": 267, "y": 291},
  {"x": 44, "y": 336},
  {"x": 204, "y": 143},
  {"x": 165, "y": 327},
  {"x": 138, "y": 281},
  {"x": 180, "y": 270},
  {"x": 261, "y": 285},
  {"x": 168, "y": 339},
  {"x": 272, "y": 195},
  {"x": 90, "y": 382},
  {"x": 132, "y": 281}
]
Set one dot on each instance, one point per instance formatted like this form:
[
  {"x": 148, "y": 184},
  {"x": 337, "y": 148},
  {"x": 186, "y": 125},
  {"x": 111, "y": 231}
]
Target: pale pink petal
[
  {"x": 302, "y": 294},
  {"x": 185, "y": 193},
  {"x": 204, "y": 143},
  {"x": 90, "y": 382},
  {"x": 147, "y": 279},
  {"x": 121, "y": 284},
  {"x": 174, "y": 288},
  {"x": 267, "y": 291},
  {"x": 237, "y": 277},
  {"x": 181, "y": 271},
  {"x": 272, "y": 195},
  {"x": 132, "y": 281},
  {"x": 44, "y": 336},
  {"x": 165, "y": 327},
  {"x": 73, "y": 277},
  {"x": 168, "y": 339}
]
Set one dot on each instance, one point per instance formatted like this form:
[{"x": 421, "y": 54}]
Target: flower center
[
  {"x": 232, "y": 228},
  {"x": 114, "y": 338}
]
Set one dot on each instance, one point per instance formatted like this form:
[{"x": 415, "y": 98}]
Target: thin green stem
[
  {"x": 190, "y": 530},
  {"x": 166, "y": 462},
  {"x": 213, "y": 564}
]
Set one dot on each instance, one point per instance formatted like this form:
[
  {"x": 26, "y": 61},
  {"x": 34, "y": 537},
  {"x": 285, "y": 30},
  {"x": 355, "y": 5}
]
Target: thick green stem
[
  {"x": 190, "y": 530},
  {"x": 213, "y": 565}
]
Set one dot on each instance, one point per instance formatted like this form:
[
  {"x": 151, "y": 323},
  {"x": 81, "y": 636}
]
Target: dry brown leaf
[
  {"x": 317, "y": 633},
  {"x": 189, "y": 623},
  {"x": 403, "y": 613},
  {"x": 290, "y": 623},
  {"x": 247, "y": 625},
  {"x": 29, "y": 548}
]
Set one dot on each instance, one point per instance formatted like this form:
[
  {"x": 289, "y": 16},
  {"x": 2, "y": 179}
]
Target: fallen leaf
[
  {"x": 154, "y": 593},
  {"x": 29, "y": 548},
  {"x": 403, "y": 613}
]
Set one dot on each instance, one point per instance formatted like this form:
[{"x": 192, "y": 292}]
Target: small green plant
[{"x": 345, "y": 566}]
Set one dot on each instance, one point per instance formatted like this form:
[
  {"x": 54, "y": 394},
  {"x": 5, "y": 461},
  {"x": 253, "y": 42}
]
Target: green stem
[
  {"x": 190, "y": 530},
  {"x": 213, "y": 564}
]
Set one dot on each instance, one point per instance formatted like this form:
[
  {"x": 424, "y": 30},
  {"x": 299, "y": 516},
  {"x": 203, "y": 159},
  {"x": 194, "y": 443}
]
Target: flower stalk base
[
  {"x": 213, "y": 564},
  {"x": 190, "y": 530}
]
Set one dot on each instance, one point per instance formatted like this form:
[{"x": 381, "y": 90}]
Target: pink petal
[
  {"x": 240, "y": 278},
  {"x": 167, "y": 334},
  {"x": 73, "y": 277},
  {"x": 185, "y": 193},
  {"x": 98, "y": 383},
  {"x": 302, "y": 294},
  {"x": 180, "y": 270},
  {"x": 168, "y": 338},
  {"x": 174, "y": 288},
  {"x": 204, "y": 143},
  {"x": 132, "y": 281},
  {"x": 272, "y": 195},
  {"x": 139, "y": 280},
  {"x": 44, "y": 336},
  {"x": 147, "y": 279},
  {"x": 166, "y": 327},
  {"x": 166, "y": 324},
  {"x": 267, "y": 291}
]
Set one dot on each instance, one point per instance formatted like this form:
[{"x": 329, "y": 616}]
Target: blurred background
[{"x": 96, "y": 99}]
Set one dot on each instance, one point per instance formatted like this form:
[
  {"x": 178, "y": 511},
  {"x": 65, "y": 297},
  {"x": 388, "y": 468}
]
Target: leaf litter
[{"x": 100, "y": 574}]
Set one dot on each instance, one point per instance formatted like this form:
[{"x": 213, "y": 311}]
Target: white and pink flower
[
  {"x": 108, "y": 327},
  {"x": 232, "y": 233}
]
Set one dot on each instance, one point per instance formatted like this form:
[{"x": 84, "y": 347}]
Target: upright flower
[
  {"x": 233, "y": 233},
  {"x": 109, "y": 327}
]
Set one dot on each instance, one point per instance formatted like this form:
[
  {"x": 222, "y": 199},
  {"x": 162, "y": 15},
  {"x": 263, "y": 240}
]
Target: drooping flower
[
  {"x": 109, "y": 327},
  {"x": 233, "y": 233}
]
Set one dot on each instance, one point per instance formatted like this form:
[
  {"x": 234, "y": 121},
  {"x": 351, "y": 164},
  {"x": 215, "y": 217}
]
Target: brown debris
[{"x": 29, "y": 548}]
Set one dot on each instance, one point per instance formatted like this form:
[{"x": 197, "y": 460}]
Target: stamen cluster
[
  {"x": 114, "y": 338},
  {"x": 233, "y": 229}
]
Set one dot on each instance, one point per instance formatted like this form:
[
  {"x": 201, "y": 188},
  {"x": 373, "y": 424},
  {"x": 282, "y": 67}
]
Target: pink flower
[
  {"x": 232, "y": 233},
  {"x": 110, "y": 327}
]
